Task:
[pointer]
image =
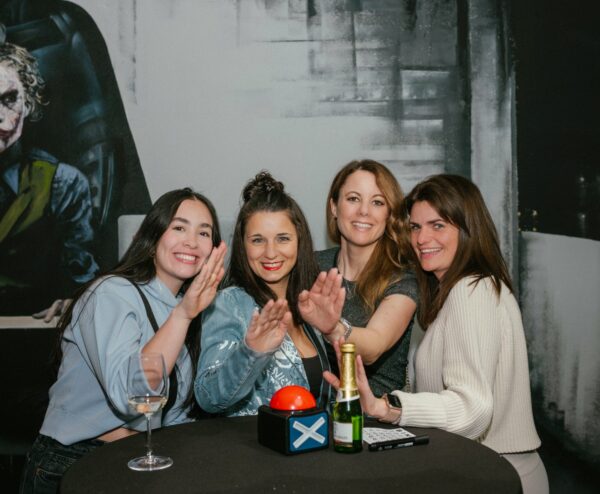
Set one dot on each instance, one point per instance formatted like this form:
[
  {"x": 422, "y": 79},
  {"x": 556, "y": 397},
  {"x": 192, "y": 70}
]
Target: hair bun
[{"x": 263, "y": 183}]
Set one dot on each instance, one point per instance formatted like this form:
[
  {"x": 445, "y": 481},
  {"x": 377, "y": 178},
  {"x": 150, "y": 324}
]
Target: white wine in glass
[{"x": 147, "y": 390}]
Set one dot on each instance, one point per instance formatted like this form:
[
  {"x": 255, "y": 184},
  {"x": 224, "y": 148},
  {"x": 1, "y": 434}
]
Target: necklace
[{"x": 350, "y": 286}]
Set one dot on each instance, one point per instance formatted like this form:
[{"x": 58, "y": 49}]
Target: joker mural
[
  {"x": 45, "y": 205},
  {"x": 68, "y": 163}
]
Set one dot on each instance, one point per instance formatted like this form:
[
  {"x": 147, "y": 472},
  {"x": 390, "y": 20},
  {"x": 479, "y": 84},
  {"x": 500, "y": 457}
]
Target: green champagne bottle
[{"x": 347, "y": 412}]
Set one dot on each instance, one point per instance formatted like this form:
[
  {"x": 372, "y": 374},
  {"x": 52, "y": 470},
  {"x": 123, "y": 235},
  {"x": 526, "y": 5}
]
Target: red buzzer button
[{"x": 293, "y": 398}]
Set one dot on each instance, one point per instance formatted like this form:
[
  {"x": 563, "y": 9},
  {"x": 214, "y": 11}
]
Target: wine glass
[{"x": 147, "y": 390}]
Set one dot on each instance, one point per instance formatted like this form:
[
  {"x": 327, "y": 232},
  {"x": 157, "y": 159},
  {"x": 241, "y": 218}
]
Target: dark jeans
[{"x": 48, "y": 460}]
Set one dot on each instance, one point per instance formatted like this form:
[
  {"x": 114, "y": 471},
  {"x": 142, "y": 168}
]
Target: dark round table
[{"x": 223, "y": 455}]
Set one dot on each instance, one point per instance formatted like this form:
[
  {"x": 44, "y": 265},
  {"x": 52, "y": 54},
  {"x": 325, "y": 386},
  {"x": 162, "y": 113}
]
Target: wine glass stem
[{"x": 148, "y": 437}]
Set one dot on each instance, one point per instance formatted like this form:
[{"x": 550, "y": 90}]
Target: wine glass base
[{"x": 150, "y": 463}]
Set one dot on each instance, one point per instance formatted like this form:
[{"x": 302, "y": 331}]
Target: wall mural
[
  {"x": 67, "y": 160},
  {"x": 297, "y": 86}
]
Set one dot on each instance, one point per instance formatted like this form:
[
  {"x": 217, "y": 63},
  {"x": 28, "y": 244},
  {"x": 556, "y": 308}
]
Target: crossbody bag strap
[
  {"x": 325, "y": 394},
  {"x": 173, "y": 376}
]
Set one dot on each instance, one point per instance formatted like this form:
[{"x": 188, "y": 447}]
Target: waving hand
[
  {"x": 268, "y": 327},
  {"x": 321, "y": 307},
  {"x": 203, "y": 288}
]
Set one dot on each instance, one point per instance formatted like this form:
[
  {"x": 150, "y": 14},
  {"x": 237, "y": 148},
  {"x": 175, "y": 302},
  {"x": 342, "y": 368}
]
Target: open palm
[
  {"x": 268, "y": 327},
  {"x": 321, "y": 307},
  {"x": 203, "y": 288}
]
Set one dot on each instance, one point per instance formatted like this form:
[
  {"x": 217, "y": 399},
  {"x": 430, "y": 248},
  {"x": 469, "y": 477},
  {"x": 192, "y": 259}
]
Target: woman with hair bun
[{"x": 259, "y": 335}]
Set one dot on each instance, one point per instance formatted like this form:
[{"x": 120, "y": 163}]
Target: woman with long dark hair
[
  {"x": 259, "y": 335},
  {"x": 471, "y": 368},
  {"x": 173, "y": 265}
]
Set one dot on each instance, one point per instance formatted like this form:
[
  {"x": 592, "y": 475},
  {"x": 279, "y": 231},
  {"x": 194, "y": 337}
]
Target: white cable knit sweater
[{"x": 472, "y": 376}]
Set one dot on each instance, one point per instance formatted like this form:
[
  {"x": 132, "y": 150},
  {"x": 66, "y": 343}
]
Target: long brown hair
[
  {"x": 137, "y": 265},
  {"x": 264, "y": 193},
  {"x": 458, "y": 201},
  {"x": 387, "y": 259}
]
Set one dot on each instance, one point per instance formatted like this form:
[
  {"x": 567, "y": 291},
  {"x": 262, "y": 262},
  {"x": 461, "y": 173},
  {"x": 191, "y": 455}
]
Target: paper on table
[{"x": 373, "y": 435}]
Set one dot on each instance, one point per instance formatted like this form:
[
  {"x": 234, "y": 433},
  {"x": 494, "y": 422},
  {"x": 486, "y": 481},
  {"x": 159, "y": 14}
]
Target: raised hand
[
  {"x": 203, "y": 288},
  {"x": 321, "y": 307},
  {"x": 268, "y": 327}
]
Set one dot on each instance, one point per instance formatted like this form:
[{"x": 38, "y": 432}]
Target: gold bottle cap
[{"x": 348, "y": 348}]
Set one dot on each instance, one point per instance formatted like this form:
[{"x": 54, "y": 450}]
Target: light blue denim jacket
[{"x": 232, "y": 378}]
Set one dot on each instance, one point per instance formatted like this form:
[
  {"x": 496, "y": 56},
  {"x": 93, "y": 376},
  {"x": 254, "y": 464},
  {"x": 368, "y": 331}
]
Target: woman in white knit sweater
[{"x": 471, "y": 367}]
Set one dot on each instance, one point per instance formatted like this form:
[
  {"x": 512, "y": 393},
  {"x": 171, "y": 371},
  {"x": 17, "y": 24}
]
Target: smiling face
[
  {"x": 12, "y": 107},
  {"x": 271, "y": 244},
  {"x": 361, "y": 210},
  {"x": 433, "y": 239},
  {"x": 185, "y": 244}
]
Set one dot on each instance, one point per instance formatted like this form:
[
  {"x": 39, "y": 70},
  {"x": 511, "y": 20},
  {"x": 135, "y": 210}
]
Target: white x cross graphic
[{"x": 308, "y": 432}]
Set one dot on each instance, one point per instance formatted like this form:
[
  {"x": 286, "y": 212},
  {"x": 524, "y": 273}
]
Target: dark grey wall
[{"x": 557, "y": 52}]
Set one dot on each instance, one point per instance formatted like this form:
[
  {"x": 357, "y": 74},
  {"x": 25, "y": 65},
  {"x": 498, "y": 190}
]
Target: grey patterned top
[{"x": 389, "y": 371}]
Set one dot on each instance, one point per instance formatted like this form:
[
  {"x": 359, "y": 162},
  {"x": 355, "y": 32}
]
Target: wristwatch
[{"x": 394, "y": 409}]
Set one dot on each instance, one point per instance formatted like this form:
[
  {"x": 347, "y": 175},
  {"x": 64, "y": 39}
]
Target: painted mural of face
[{"x": 12, "y": 107}]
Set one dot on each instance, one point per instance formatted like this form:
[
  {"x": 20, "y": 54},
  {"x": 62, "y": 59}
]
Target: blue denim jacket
[{"x": 232, "y": 378}]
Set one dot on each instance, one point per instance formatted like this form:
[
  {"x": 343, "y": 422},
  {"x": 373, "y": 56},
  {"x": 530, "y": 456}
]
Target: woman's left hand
[
  {"x": 203, "y": 288},
  {"x": 170, "y": 337},
  {"x": 371, "y": 405},
  {"x": 321, "y": 307}
]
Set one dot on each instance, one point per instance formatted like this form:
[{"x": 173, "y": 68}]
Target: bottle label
[
  {"x": 343, "y": 397},
  {"x": 342, "y": 432}
]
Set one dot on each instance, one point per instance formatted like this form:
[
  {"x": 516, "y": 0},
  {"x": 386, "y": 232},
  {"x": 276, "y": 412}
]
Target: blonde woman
[{"x": 363, "y": 217}]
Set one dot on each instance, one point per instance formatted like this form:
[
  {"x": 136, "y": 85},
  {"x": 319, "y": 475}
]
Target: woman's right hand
[
  {"x": 321, "y": 307},
  {"x": 268, "y": 327}
]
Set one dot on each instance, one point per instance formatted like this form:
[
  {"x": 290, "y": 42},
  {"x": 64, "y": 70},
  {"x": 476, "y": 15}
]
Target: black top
[
  {"x": 314, "y": 374},
  {"x": 389, "y": 371}
]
